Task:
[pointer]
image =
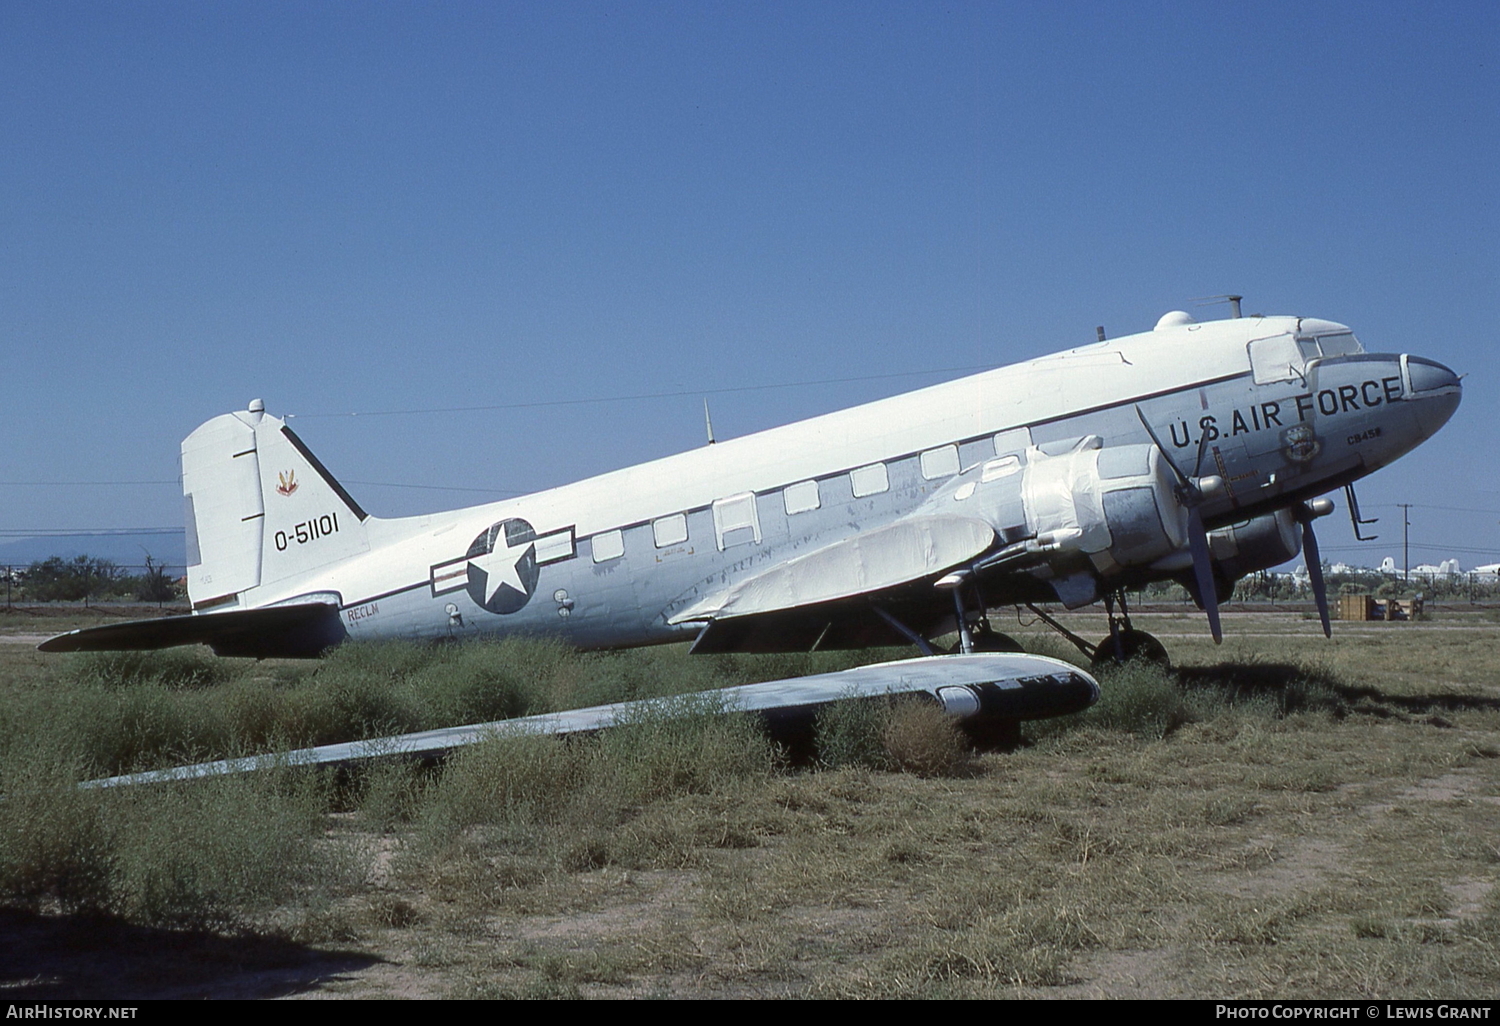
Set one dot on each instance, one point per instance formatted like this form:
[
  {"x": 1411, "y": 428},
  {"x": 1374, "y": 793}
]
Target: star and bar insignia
[{"x": 501, "y": 566}]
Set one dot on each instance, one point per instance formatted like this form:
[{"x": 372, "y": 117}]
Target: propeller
[
  {"x": 1203, "y": 572},
  {"x": 1192, "y": 492},
  {"x": 1306, "y": 513}
]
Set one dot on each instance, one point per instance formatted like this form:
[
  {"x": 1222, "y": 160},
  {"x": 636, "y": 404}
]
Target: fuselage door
[{"x": 736, "y": 521}]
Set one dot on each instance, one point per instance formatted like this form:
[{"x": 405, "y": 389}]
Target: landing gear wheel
[
  {"x": 1135, "y": 646},
  {"x": 986, "y": 640},
  {"x": 994, "y": 641}
]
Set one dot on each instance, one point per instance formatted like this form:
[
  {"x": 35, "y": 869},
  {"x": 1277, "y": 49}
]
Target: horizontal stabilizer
[
  {"x": 971, "y": 688},
  {"x": 289, "y": 632},
  {"x": 873, "y": 561}
]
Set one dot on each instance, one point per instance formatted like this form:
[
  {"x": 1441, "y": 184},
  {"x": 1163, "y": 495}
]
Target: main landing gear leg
[
  {"x": 978, "y": 637},
  {"x": 1087, "y": 648},
  {"x": 1125, "y": 643},
  {"x": 965, "y": 639},
  {"x": 905, "y": 631},
  {"x": 986, "y": 638},
  {"x": 1116, "y": 650}
]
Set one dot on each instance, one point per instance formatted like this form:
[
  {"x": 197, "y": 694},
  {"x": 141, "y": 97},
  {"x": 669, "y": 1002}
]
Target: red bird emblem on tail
[{"x": 288, "y": 482}]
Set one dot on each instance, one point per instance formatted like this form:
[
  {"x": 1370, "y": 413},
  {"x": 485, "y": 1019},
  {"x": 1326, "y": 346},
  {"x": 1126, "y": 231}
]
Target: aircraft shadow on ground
[
  {"x": 72, "y": 957},
  {"x": 1302, "y": 687}
]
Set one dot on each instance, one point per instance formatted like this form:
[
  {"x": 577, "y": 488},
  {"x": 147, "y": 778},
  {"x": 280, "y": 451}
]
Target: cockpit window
[
  {"x": 1285, "y": 357},
  {"x": 1279, "y": 358},
  {"x": 1342, "y": 344}
]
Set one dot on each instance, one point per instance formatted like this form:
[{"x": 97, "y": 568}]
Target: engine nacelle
[
  {"x": 1120, "y": 500},
  {"x": 1081, "y": 516},
  {"x": 1256, "y": 544},
  {"x": 1115, "y": 510}
]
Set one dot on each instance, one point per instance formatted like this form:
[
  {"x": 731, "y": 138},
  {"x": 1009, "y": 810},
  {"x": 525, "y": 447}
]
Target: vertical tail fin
[{"x": 261, "y": 509}]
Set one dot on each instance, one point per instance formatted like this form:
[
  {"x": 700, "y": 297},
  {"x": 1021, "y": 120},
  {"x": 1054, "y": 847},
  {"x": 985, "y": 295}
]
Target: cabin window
[
  {"x": 609, "y": 545},
  {"x": 1014, "y": 440},
  {"x": 801, "y": 497},
  {"x": 871, "y": 480},
  {"x": 941, "y": 462},
  {"x": 670, "y": 530},
  {"x": 736, "y": 521}
]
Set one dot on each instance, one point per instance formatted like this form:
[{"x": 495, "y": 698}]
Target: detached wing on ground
[{"x": 977, "y": 690}]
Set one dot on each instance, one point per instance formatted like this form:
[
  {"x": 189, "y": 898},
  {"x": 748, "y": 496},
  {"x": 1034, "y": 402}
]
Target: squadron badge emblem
[{"x": 1300, "y": 444}]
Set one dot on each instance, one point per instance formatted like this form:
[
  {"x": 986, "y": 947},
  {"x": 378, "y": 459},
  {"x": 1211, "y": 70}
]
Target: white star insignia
[{"x": 501, "y": 566}]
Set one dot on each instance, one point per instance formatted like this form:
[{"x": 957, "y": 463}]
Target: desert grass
[
  {"x": 233, "y": 855},
  {"x": 1272, "y": 819},
  {"x": 121, "y": 712}
]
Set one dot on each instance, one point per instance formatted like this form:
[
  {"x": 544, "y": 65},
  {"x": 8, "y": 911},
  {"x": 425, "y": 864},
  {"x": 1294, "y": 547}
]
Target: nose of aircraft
[{"x": 1436, "y": 386}]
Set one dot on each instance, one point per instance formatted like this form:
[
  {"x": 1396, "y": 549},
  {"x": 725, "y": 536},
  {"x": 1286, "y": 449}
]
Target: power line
[
  {"x": 647, "y": 395},
  {"x": 362, "y": 484},
  {"x": 1418, "y": 505},
  {"x": 1422, "y": 546},
  {"x": 435, "y": 488},
  {"x": 67, "y": 532},
  {"x": 69, "y": 484}
]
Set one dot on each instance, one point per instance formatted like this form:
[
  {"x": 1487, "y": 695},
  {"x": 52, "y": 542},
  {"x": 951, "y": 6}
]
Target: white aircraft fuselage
[{"x": 1064, "y": 478}]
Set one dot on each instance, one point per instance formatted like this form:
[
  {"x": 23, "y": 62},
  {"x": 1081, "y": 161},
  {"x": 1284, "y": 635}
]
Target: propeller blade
[
  {"x": 1190, "y": 494},
  {"x": 1182, "y": 479},
  {"x": 1315, "y": 573},
  {"x": 1202, "y": 447},
  {"x": 1203, "y": 572}
]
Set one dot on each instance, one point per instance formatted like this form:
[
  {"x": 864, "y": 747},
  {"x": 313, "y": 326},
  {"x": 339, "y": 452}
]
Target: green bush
[
  {"x": 174, "y": 668},
  {"x": 920, "y": 738},
  {"x": 684, "y": 745},
  {"x": 54, "y": 840},
  {"x": 510, "y": 811},
  {"x": 851, "y": 733},
  {"x": 219, "y": 852},
  {"x": 1138, "y": 698},
  {"x": 214, "y": 854}
]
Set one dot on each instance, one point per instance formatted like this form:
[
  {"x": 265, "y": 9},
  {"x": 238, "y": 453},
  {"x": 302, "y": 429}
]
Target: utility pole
[{"x": 1405, "y": 541}]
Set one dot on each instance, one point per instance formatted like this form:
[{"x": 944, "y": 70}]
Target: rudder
[{"x": 260, "y": 509}]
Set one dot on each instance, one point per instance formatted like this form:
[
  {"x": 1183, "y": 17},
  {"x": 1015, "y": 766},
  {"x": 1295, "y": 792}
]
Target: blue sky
[{"x": 378, "y": 207}]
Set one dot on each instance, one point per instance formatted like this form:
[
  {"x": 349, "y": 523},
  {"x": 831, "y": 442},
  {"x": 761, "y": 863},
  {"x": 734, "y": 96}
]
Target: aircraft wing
[
  {"x": 302, "y": 629},
  {"x": 971, "y": 688},
  {"x": 887, "y": 557}
]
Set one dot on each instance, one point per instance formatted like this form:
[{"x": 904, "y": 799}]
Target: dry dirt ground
[{"x": 1243, "y": 855}]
